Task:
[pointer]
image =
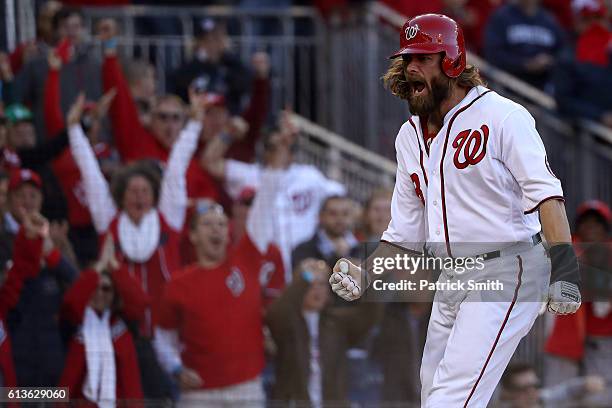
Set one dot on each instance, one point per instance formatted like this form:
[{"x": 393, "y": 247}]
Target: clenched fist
[
  {"x": 563, "y": 298},
  {"x": 346, "y": 280}
]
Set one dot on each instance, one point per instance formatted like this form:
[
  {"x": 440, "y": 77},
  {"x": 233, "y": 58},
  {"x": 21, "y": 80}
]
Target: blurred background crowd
[{"x": 176, "y": 182}]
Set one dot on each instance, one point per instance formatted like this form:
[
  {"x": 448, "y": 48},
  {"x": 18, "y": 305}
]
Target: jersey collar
[{"x": 469, "y": 97}]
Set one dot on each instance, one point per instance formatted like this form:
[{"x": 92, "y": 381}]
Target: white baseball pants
[{"x": 473, "y": 334}]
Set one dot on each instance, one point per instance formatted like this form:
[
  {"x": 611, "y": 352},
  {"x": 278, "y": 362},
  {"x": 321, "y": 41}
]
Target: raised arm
[
  {"x": 260, "y": 221},
  {"x": 173, "y": 195},
  {"x": 257, "y": 111},
  {"x": 97, "y": 192},
  {"x": 54, "y": 118},
  {"x": 127, "y": 129}
]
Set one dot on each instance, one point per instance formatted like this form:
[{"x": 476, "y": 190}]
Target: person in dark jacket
[
  {"x": 312, "y": 338},
  {"x": 81, "y": 71},
  {"x": 523, "y": 39},
  {"x": 333, "y": 238},
  {"x": 582, "y": 90},
  {"x": 33, "y": 325},
  {"x": 213, "y": 62}
]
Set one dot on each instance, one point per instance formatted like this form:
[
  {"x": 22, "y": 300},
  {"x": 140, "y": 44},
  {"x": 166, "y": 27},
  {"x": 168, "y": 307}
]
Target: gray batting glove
[
  {"x": 563, "y": 298},
  {"x": 345, "y": 280}
]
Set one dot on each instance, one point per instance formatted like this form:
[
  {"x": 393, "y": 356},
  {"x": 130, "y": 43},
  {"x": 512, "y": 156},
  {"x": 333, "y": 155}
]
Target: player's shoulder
[
  {"x": 497, "y": 108},
  {"x": 408, "y": 131}
]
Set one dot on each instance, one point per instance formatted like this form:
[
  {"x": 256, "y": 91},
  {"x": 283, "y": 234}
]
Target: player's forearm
[
  {"x": 564, "y": 264},
  {"x": 554, "y": 222},
  {"x": 384, "y": 250}
]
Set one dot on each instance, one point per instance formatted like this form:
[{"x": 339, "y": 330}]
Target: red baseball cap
[
  {"x": 21, "y": 176},
  {"x": 597, "y": 206},
  {"x": 215, "y": 99}
]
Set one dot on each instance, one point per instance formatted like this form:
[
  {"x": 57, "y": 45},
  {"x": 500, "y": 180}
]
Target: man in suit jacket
[{"x": 333, "y": 238}]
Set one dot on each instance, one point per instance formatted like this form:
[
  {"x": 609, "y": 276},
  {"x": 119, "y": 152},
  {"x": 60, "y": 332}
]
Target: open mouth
[
  {"x": 215, "y": 241},
  {"x": 418, "y": 87}
]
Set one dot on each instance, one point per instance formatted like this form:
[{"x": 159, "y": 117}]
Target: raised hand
[
  {"x": 35, "y": 225},
  {"x": 104, "y": 103},
  {"x": 107, "y": 260},
  {"x": 76, "y": 110},
  {"x": 54, "y": 60},
  {"x": 261, "y": 64},
  {"x": 106, "y": 29},
  {"x": 198, "y": 103}
]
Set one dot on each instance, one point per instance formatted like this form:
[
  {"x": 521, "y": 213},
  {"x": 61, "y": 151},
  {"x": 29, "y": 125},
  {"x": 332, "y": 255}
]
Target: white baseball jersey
[
  {"x": 480, "y": 179},
  {"x": 303, "y": 190}
]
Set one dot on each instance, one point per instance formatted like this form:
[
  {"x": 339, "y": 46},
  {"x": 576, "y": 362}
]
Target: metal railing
[
  {"x": 361, "y": 170},
  {"x": 292, "y": 36}
]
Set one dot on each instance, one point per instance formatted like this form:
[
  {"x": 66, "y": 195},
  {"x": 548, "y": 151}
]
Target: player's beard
[{"x": 424, "y": 105}]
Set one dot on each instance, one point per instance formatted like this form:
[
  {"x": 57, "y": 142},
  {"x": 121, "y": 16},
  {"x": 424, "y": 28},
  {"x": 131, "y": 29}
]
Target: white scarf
[
  {"x": 138, "y": 242},
  {"x": 100, "y": 380}
]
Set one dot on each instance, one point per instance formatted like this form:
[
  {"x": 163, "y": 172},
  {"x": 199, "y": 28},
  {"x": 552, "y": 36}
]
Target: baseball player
[{"x": 471, "y": 168}]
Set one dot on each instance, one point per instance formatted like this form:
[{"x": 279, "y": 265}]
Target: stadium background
[{"x": 326, "y": 61}]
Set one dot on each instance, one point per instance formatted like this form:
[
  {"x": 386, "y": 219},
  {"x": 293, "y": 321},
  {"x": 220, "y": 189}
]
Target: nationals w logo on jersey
[{"x": 471, "y": 147}]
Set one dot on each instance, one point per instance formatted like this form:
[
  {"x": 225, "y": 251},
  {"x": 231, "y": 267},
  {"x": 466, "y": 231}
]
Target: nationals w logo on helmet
[
  {"x": 471, "y": 147},
  {"x": 412, "y": 31}
]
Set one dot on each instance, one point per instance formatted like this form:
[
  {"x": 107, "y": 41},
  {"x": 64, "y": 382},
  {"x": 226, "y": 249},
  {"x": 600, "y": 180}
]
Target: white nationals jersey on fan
[
  {"x": 480, "y": 180},
  {"x": 303, "y": 189}
]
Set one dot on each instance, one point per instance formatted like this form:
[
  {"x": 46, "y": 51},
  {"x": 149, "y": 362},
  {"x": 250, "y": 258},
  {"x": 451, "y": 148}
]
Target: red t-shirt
[
  {"x": 597, "y": 326},
  {"x": 593, "y": 45},
  {"x": 217, "y": 313}
]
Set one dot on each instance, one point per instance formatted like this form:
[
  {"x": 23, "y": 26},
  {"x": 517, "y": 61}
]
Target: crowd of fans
[{"x": 169, "y": 247}]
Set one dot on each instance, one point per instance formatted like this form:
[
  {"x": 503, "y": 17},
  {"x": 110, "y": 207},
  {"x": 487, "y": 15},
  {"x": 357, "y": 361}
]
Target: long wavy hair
[{"x": 395, "y": 79}]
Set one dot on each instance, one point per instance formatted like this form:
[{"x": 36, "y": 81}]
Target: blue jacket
[
  {"x": 512, "y": 38},
  {"x": 582, "y": 90}
]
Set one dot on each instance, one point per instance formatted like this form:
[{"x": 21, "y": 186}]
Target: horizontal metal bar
[{"x": 332, "y": 139}]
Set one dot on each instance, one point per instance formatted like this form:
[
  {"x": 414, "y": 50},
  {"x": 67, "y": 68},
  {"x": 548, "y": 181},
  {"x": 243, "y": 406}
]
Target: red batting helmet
[{"x": 433, "y": 33}]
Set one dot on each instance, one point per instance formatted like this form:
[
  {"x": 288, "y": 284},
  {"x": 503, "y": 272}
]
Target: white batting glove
[
  {"x": 563, "y": 298},
  {"x": 345, "y": 280}
]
